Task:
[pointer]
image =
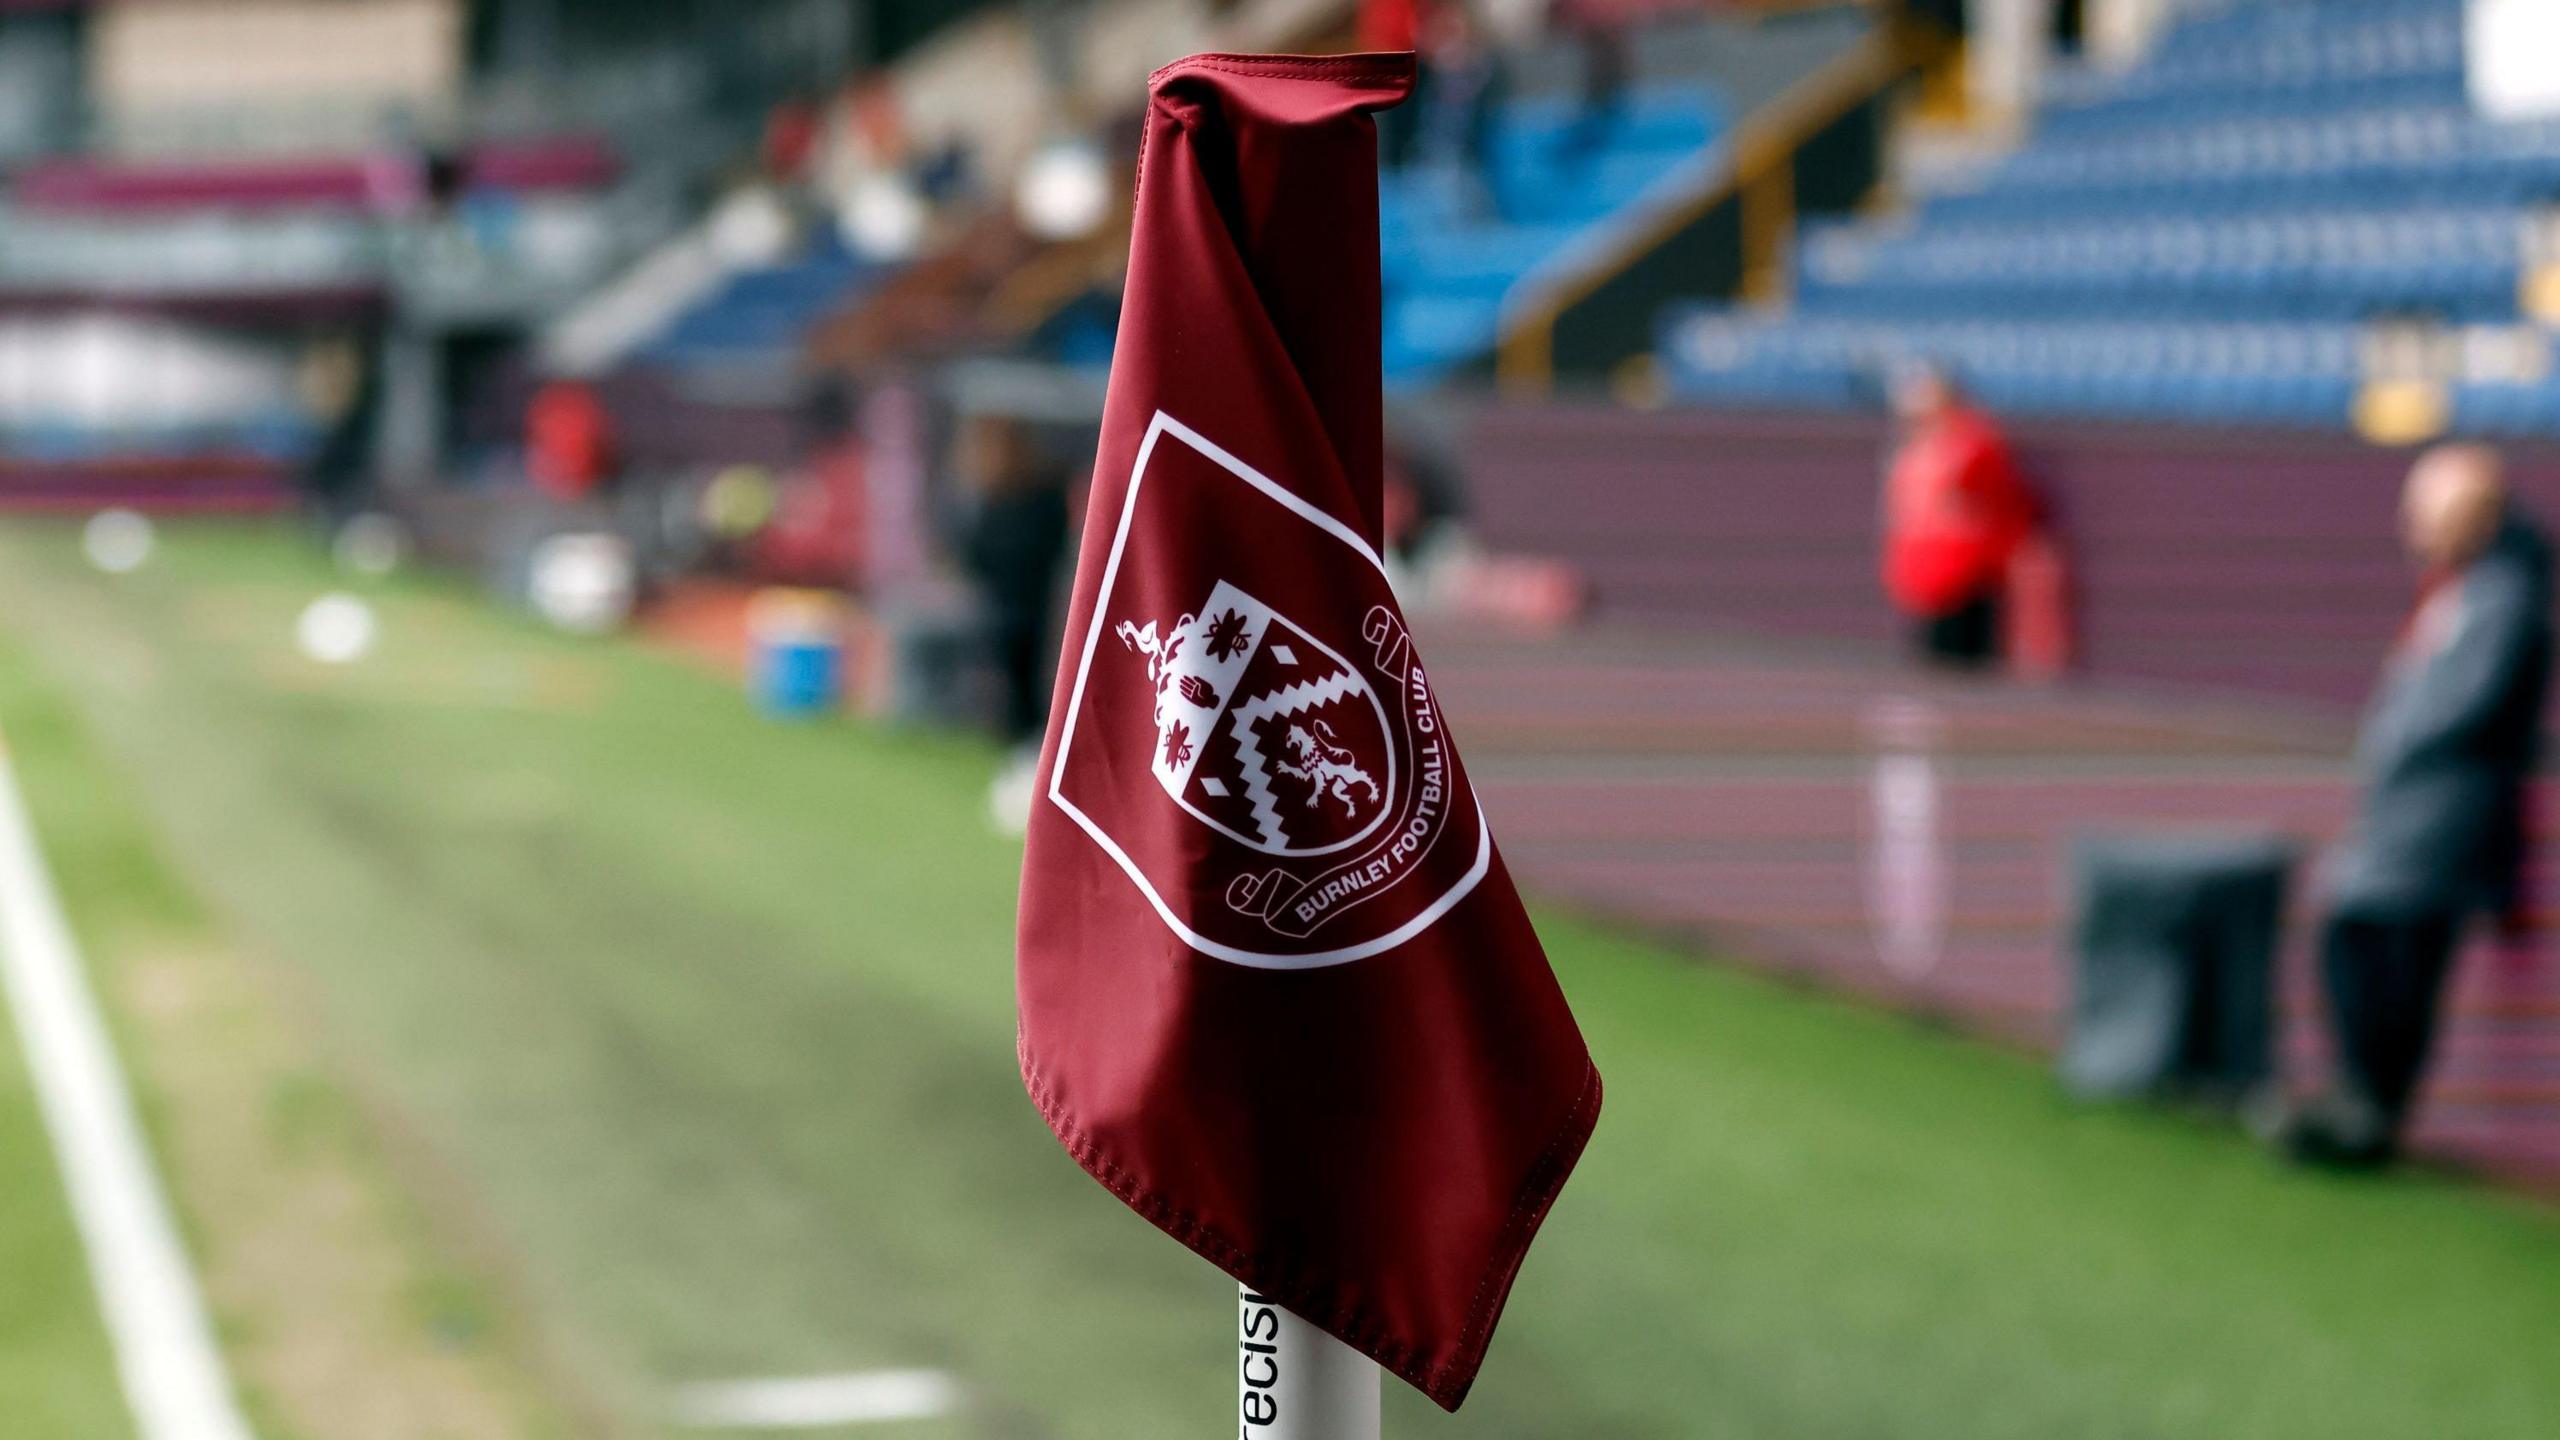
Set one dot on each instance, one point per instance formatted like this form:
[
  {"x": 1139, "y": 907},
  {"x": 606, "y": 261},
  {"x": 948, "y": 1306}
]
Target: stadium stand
[
  {"x": 1561, "y": 180},
  {"x": 958, "y": 115},
  {"x": 1579, "y": 208},
  {"x": 1453, "y": 246},
  {"x": 2206, "y": 237},
  {"x": 199, "y": 195},
  {"x": 1447, "y": 267},
  {"x": 760, "y": 315}
]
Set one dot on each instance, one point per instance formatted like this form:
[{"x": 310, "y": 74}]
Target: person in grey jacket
[{"x": 2447, "y": 748}]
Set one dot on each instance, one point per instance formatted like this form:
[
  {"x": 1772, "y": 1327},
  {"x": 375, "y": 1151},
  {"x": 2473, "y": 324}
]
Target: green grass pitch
[{"x": 710, "y": 1022}]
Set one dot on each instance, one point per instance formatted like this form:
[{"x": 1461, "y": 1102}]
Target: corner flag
[{"x": 1276, "y": 990}]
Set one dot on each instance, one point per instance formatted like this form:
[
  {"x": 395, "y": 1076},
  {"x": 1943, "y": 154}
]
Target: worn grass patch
[
  {"x": 341, "y": 1313},
  {"x": 56, "y": 1375}
]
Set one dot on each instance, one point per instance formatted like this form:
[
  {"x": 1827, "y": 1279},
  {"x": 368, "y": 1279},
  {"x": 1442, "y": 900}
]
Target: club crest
[
  {"x": 1262, "y": 731},
  {"x": 1306, "y": 807}
]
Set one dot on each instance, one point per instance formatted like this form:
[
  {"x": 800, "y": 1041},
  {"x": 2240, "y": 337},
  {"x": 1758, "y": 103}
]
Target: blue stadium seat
[
  {"x": 1451, "y": 245},
  {"x": 761, "y": 313},
  {"x": 2199, "y": 238}
]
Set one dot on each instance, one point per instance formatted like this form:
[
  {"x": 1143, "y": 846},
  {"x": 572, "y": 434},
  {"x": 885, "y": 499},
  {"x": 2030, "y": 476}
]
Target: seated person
[{"x": 2447, "y": 749}]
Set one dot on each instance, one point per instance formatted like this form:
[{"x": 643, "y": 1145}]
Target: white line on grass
[
  {"x": 172, "y": 1373},
  {"x": 817, "y": 1401}
]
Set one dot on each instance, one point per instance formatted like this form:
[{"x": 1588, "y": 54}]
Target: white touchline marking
[
  {"x": 172, "y": 1372},
  {"x": 816, "y": 1401}
]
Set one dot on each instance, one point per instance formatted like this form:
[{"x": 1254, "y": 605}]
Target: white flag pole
[{"x": 1295, "y": 1382}]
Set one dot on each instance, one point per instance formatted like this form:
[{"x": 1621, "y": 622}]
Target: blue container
[
  {"x": 797, "y": 665},
  {"x": 799, "y": 678}
]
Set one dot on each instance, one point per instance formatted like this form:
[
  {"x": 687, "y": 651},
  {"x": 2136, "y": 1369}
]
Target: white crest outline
[{"x": 1157, "y": 428}]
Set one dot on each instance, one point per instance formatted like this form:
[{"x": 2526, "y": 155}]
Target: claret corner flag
[{"x": 1276, "y": 991}]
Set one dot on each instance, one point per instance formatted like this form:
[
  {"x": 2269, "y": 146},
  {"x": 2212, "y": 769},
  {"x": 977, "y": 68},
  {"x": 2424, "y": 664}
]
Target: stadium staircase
[{"x": 2230, "y": 232}]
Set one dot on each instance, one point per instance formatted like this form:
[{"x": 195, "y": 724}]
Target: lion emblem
[{"x": 1326, "y": 766}]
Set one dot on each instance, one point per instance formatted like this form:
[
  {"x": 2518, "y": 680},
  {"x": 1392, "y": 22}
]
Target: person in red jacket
[
  {"x": 1956, "y": 512},
  {"x": 569, "y": 449}
]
